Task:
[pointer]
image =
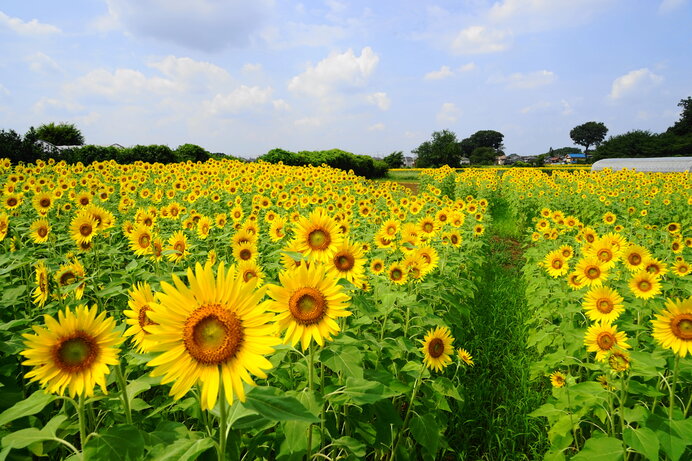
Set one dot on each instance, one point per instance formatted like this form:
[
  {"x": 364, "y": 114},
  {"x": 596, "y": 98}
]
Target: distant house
[
  {"x": 554, "y": 161},
  {"x": 409, "y": 162},
  {"x": 464, "y": 161},
  {"x": 512, "y": 158},
  {"x": 575, "y": 157},
  {"x": 500, "y": 159}
]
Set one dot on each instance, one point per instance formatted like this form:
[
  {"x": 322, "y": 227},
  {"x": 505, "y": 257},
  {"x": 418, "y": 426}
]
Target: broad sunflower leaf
[
  {"x": 643, "y": 440},
  {"x": 346, "y": 359},
  {"x": 27, "y": 407},
  {"x": 426, "y": 432},
  {"x": 25, "y": 437},
  {"x": 274, "y": 405},
  {"x": 602, "y": 449},
  {"x": 183, "y": 450},
  {"x": 123, "y": 442}
]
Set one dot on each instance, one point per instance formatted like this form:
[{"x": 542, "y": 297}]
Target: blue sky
[{"x": 243, "y": 77}]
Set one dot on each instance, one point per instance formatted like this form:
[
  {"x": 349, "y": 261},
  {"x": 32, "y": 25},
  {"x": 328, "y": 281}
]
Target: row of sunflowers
[
  {"x": 607, "y": 272},
  {"x": 230, "y": 310}
]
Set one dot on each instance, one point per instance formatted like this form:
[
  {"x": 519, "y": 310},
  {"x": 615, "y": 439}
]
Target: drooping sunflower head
[
  {"x": 437, "y": 348},
  {"x": 72, "y": 353},
  {"x": 465, "y": 356},
  {"x": 672, "y": 327},
  {"x": 40, "y": 292},
  {"x": 307, "y": 304}
]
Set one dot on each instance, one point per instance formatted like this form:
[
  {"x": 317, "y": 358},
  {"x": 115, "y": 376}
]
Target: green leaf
[
  {"x": 354, "y": 446},
  {"x": 362, "y": 391},
  {"x": 183, "y": 450},
  {"x": 643, "y": 440},
  {"x": 274, "y": 405},
  {"x": 426, "y": 432},
  {"x": 27, "y": 407},
  {"x": 25, "y": 437},
  {"x": 671, "y": 441},
  {"x": 446, "y": 387},
  {"x": 122, "y": 442},
  {"x": 603, "y": 449},
  {"x": 346, "y": 359}
]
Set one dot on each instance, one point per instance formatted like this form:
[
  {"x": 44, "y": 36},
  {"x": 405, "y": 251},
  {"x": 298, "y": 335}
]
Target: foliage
[
  {"x": 19, "y": 148},
  {"x": 588, "y": 134},
  {"x": 483, "y": 156},
  {"x": 442, "y": 149},
  {"x": 642, "y": 144},
  {"x": 61, "y": 134},
  {"x": 153, "y": 153},
  {"x": 483, "y": 138},
  {"x": 394, "y": 160},
  {"x": 683, "y": 126},
  {"x": 562, "y": 151},
  {"x": 362, "y": 165}
]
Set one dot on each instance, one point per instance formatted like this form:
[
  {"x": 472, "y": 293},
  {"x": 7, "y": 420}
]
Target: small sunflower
[
  {"x": 4, "y": 225},
  {"x": 140, "y": 300},
  {"x": 634, "y": 257},
  {"x": 591, "y": 271},
  {"x": 645, "y": 285},
  {"x": 673, "y": 326},
  {"x": 141, "y": 240},
  {"x": 681, "y": 268},
  {"x": 83, "y": 227},
  {"x": 72, "y": 353},
  {"x": 465, "y": 357},
  {"x": 215, "y": 331},
  {"x": 307, "y": 304},
  {"x": 178, "y": 243},
  {"x": 377, "y": 266},
  {"x": 437, "y": 348},
  {"x": 246, "y": 251},
  {"x": 40, "y": 230},
  {"x": 556, "y": 264},
  {"x": 250, "y": 272},
  {"x": 603, "y": 338},
  {"x": 603, "y": 304},
  {"x": 558, "y": 379},
  {"x": 348, "y": 262},
  {"x": 40, "y": 293},
  {"x": 317, "y": 236},
  {"x": 397, "y": 274}
]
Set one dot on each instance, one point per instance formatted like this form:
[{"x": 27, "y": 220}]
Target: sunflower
[
  {"x": 634, "y": 257},
  {"x": 12, "y": 201},
  {"x": 4, "y": 225},
  {"x": 430, "y": 258},
  {"x": 250, "y": 272},
  {"x": 645, "y": 285},
  {"x": 681, "y": 268},
  {"x": 609, "y": 218},
  {"x": 141, "y": 240},
  {"x": 70, "y": 274},
  {"x": 348, "y": 262},
  {"x": 307, "y": 303},
  {"x": 605, "y": 251},
  {"x": 465, "y": 357},
  {"x": 437, "y": 348},
  {"x": 40, "y": 230},
  {"x": 558, "y": 379},
  {"x": 83, "y": 227},
  {"x": 178, "y": 243},
  {"x": 591, "y": 271},
  {"x": 574, "y": 281},
  {"x": 377, "y": 266},
  {"x": 245, "y": 252},
  {"x": 277, "y": 229},
  {"x": 555, "y": 263},
  {"x": 215, "y": 331},
  {"x": 204, "y": 227},
  {"x": 317, "y": 236},
  {"x": 43, "y": 202},
  {"x": 601, "y": 338},
  {"x": 655, "y": 267},
  {"x": 397, "y": 274},
  {"x": 140, "y": 300},
  {"x": 619, "y": 361},
  {"x": 478, "y": 230},
  {"x": 40, "y": 293},
  {"x": 603, "y": 304},
  {"x": 72, "y": 353},
  {"x": 673, "y": 326}
]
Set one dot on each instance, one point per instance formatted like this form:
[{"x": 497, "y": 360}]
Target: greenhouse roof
[{"x": 658, "y": 164}]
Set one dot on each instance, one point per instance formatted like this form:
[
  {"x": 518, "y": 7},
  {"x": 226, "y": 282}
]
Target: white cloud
[
  {"x": 44, "y": 105},
  {"x": 563, "y": 106},
  {"x": 32, "y": 27},
  {"x": 123, "y": 85},
  {"x": 241, "y": 99},
  {"x": 41, "y": 62},
  {"x": 537, "y": 15},
  {"x": 635, "y": 81},
  {"x": 379, "y": 99},
  {"x": 309, "y": 122},
  {"x": 281, "y": 105},
  {"x": 480, "y": 39},
  {"x": 335, "y": 72},
  {"x": 467, "y": 67},
  {"x": 191, "y": 74},
  {"x": 524, "y": 81},
  {"x": 251, "y": 67},
  {"x": 667, "y": 6},
  {"x": 443, "y": 72},
  {"x": 376, "y": 127},
  {"x": 208, "y": 25},
  {"x": 449, "y": 113}
]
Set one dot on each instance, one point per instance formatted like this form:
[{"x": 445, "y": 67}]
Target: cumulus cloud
[
  {"x": 241, "y": 99},
  {"x": 529, "y": 80},
  {"x": 192, "y": 74},
  {"x": 281, "y": 105},
  {"x": 537, "y": 15},
  {"x": 467, "y": 67},
  {"x": 208, "y": 25},
  {"x": 124, "y": 85},
  {"x": 45, "y": 105},
  {"x": 41, "y": 62},
  {"x": 337, "y": 71},
  {"x": 32, "y": 27},
  {"x": 563, "y": 107},
  {"x": 449, "y": 113},
  {"x": 443, "y": 72},
  {"x": 633, "y": 82},
  {"x": 251, "y": 67},
  {"x": 376, "y": 127},
  {"x": 480, "y": 39},
  {"x": 379, "y": 99}
]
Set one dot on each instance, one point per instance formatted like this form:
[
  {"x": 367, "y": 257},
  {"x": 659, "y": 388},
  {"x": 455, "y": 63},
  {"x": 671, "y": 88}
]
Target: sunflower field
[{"x": 228, "y": 310}]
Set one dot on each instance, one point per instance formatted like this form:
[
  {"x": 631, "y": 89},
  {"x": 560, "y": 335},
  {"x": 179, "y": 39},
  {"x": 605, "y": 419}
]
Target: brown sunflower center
[
  {"x": 604, "y": 305},
  {"x": 557, "y": 264},
  {"x": 634, "y": 259},
  {"x": 318, "y": 239},
  {"x": 75, "y": 353},
  {"x": 344, "y": 261},
  {"x": 42, "y": 231},
  {"x": 144, "y": 319},
  {"x": 605, "y": 340},
  {"x": 86, "y": 229},
  {"x": 67, "y": 278},
  {"x": 681, "y": 326},
  {"x": 593, "y": 272},
  {"x": 428, "y": 227},
  {"x": 144, "y": 240},
  {"x": 11, "y": 201},
  {"x": 377, "y": 266},
  {"x": 396, "y": 274},
  {"x": 245, "y": 254},
  {"x": 644, "y": 285},
  {"x": 249, "y": 274},
  {"x": 436, "y": 347},
  {"x": 212, "y": 334},
  {"x": 307, "y": 305},
  {"x": 605, "y": 255},
  {"x": 454, "y": 239},
  {"x": 84, "y": 201},
  {"x": 44, "y": 202},
  {"x": 179, "y": 246}
]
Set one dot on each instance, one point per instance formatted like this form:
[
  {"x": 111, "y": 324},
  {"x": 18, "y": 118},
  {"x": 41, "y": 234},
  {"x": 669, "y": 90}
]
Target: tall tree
[
  {"x": 684, "y": 125},
  {"x": 394, "y": 160},
  {"x": 588, "y": 134},
  {"x": 61, "y": 134},
  {"x": 442, "y": 149},
  {"x": 487, "y": 139}
]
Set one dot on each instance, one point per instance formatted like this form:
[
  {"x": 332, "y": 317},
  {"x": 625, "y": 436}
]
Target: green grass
[{"x": 493, "y": 422}]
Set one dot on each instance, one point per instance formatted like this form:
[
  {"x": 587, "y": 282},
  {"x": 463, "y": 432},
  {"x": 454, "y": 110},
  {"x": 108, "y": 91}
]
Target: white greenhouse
[{"x": 658, "y": 164}]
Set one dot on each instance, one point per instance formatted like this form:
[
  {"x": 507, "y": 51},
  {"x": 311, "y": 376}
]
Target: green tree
[
  {"x": 483, "y": 156},
  {"x": 588, "y": 134},
  {"x": 62, "y": 134},
  {"x": 484, "y": 140},
  {"x": 637, "y": 143},
  {"x": 394, "y": 160},
  {"x": 442, "y": 149},
  {"x": 684, "y": 125},
  {"x": 191, "y": 152}
]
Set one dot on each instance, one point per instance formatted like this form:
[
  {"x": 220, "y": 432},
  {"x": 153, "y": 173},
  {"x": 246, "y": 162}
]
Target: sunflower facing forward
[
  {"x": 673, "y": 326},
  {"x": 437, "y": 348},
  {"x": 216, "y": 331},
  {"x": 72, "y": 353},
  {"x": 317, "y": 236},
  {"x": 308, "y": 302}
]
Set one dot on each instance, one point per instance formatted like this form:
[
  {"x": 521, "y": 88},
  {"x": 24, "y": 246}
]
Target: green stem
[
  {"x": 122, "y": 382},
  {"x": 571, "y": 420},
  {"x": 82, "y": 421},
  {"x": 223, "y": 421},
  {"x": 407, "y": 417},
  {"x": 311, "y": 362},
  {"x": 672, "y": 387}
]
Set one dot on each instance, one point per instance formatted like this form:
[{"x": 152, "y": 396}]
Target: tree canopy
[
  {"x": 61, "y": 134},
  {"x": 588, "y": 134},
  {"x": 442, "y": 149},
  {"x": 483, "y": 146},
  {"x": 394, "y": 160}
]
